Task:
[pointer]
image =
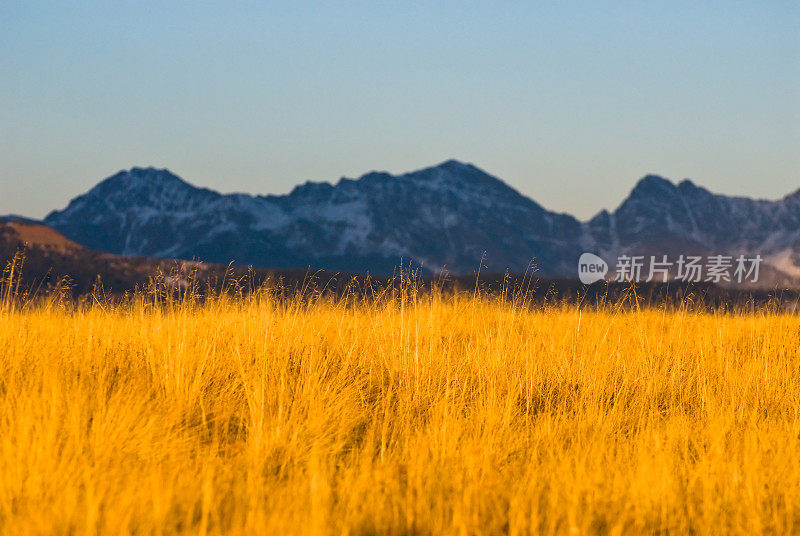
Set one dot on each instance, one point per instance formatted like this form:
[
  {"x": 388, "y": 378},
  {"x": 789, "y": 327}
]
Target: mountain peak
[
  {"x": 650, "y": 180},
  {"x": 652, "y": 185},
  {"x": 458, "y": 173},
  {"x": 150, "y": 175},
  {"x": 456, "y": 165},
  {"x": 138, "y": 188}
]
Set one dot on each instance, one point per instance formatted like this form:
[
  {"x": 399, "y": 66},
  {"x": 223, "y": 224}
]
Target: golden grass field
[{"x": 411, "y": 413}]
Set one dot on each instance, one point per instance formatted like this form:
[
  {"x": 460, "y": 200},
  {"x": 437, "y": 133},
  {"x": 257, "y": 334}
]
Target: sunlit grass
[{"x": 412, "y": 413}]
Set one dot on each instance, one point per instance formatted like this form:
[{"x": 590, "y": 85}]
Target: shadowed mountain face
[
  {"x": 660, "y": 211},
  {"x": 446, "y": 216},
  {"x": 660, "y": 217},
  {"x": 443, "y": 217}
]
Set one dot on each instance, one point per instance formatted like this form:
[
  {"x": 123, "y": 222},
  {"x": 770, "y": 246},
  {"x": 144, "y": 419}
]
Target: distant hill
[
  {"x": 49, "y": 257},
  {"x": 441, "y": 217},
  {"x": 452, "y": 217}
]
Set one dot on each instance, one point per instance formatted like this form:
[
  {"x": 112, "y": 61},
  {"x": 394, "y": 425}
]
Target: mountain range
[{"x": 452, "y": 216}]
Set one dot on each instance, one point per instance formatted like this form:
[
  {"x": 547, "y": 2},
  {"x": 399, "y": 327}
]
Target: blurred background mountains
[{"x": 450, "y": 218}]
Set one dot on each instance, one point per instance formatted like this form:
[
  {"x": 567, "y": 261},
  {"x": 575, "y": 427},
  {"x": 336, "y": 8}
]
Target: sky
[{"x": 568, "y": 102}]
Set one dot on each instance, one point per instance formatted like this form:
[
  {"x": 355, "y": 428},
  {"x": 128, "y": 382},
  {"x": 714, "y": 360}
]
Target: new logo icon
[{"x": 591, "y": 268}]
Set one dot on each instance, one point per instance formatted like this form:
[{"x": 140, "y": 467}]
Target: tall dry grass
[{"x": 410, "y": 413}]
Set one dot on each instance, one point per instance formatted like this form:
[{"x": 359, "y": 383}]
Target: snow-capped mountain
[
  {"x": 443, "y": 217},
  {"x": 662, "y": 218},
  {"x": 449, "y": 216}
]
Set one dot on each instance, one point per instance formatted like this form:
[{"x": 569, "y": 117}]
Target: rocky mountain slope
[
  {"x": 448, "y": 216},
  {"x": 662, "y": 218}
]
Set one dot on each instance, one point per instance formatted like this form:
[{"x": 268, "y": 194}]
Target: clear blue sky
[{"x": 569, "y": 103}]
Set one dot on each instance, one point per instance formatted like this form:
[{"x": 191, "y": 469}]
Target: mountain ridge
[
  {"x": 452, "y": 216},
  {"x": 349, "y": 218}
]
